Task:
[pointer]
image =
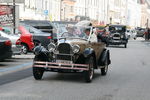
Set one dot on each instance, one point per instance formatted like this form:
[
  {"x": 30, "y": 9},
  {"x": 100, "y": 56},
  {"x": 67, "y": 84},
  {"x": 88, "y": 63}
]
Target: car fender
[
  {"x": 105, "y": 55},
  {"x": 88, "y": 52},
  {"x": 41, "y": 54}
]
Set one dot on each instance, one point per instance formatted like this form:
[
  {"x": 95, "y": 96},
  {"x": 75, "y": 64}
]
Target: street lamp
[
  {"x": 85, "y": 10},
  {"x": 14, "y": 17},
  {"x": 110, "y": 20}
]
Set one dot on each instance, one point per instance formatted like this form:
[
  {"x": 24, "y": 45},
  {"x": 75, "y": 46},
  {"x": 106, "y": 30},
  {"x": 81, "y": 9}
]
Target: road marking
[{"x": 16, "y": 67}]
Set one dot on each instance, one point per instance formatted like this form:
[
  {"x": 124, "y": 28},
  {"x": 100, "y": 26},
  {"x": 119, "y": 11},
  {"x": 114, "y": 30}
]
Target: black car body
[
  {"x": 5, "y": 48},
  {"x": 117, "y": 35},
  {"x": 74, "y": 52}
]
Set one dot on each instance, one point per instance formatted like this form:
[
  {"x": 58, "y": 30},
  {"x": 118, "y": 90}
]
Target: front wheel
[
  {"x": 125, "y": 45},
  {"x": 38, "y": 73},
  {"x": 88, "y": 75}
]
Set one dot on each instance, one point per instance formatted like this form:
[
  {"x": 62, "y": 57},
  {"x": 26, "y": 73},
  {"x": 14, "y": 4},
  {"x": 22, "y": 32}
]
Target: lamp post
[
  {"x": 110, "y": 20},
  {"x": 14, "y": 17},
  {"x": 85, "y": 10}
]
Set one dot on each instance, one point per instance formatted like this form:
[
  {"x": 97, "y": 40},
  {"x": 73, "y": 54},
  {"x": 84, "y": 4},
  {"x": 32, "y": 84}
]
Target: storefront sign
[
  {"x": 6, "y": 15},
  {"x": 11, "y": 1}
]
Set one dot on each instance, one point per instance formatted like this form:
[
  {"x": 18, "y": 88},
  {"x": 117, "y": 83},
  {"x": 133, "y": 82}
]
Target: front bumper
[
  {"x": 117, "y": 42},
  {"x": 61, "y": 66}
]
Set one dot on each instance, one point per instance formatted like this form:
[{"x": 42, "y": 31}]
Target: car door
[{"x": 97, "y": 46}]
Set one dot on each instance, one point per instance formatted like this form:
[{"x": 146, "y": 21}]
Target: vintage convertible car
[
  {"x": 74, "y": 52},
  {"x": 117, "y": 35}
]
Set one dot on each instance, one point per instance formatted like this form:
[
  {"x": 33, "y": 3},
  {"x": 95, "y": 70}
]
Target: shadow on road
[{"x": 67, "y": 77}]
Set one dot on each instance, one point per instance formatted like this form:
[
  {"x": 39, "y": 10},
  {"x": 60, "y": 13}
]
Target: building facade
[
  {"x": 94, "y": 10},
  {"x": 145, "y": 14},
  {"x": 67, "y": 10},
  {"x": 133, "y": 13},
  {"x": 40, "y": 10},
  {"x": 117, "y": 11}
]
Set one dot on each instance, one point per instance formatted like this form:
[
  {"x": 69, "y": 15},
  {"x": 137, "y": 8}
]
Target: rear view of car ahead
[
  {"x": 117, "y": 35},
  {"x": 140, "y": 32},
  {"x": 131, "y": 34},
  {"x": 5, "y": 48},
  {"x": 74, "y": 52}
]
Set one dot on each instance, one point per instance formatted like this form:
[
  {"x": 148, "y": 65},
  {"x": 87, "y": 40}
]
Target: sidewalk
[
  {"x": 16, "y": 63},
  {"x": 23, "y": 56}
]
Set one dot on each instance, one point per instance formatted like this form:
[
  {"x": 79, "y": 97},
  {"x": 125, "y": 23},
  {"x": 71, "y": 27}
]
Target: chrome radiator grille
[
  {"x": 64, "y": 52},
  {"x": 64, "y": 48}
]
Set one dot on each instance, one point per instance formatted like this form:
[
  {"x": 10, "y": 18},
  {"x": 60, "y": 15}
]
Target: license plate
[
  {"x": 116, "y": 37},
  {"x": 64, "y": 61},
  {"x": 116, "y": 41}
]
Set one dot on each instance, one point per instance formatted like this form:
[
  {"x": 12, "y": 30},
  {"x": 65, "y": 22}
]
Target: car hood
[{"x": 75, "y": 41}]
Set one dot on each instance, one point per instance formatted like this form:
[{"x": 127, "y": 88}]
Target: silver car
[{"x": 16, "y": 47}]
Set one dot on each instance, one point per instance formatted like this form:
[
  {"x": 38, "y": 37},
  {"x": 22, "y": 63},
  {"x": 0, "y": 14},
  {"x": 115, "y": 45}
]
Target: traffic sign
[{"x": 45, "y": 12}]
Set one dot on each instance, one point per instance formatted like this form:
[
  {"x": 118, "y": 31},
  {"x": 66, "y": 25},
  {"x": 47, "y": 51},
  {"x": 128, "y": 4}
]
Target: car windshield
[
  {"x": 76, "y": 32},
  {"x": 119, "y": 29}
]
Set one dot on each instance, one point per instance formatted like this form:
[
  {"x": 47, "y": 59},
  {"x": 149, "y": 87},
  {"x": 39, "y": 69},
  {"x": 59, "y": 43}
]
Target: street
[{"x": 127, "y": 79}]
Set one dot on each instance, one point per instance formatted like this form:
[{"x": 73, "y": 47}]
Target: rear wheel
[
  {"x": 88, "y": 75},
  {"x": 24, "y": 49},
  {"x": 104, "y": 70}
]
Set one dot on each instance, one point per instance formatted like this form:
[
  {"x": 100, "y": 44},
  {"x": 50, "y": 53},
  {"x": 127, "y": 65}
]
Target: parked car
[
  {"x": 16, "y": 43},
  {"x": 26, "y": 40},
  {"x": 5, "y": 48},
  {"x": 74, "y": 52},
  {"x": 39, "y": 37},
  {"x": 131, "y": 34},
  {"x": 117, "y": 35},
  {"x": 44, "y": 26},
  {"x": 140, "y": 32}
]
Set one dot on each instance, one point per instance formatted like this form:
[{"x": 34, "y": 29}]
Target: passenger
[{"x": 93, "y": 35}]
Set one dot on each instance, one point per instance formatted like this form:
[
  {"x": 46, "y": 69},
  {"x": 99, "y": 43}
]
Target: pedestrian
[
  {"x": 148, "y": 33},
  {"x": 1, "y": 28}
]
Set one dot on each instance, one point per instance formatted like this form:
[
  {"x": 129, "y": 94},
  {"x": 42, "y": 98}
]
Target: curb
[{"x": 15, "y": 68}]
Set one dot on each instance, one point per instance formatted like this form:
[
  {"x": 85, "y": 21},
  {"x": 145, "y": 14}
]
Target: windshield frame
[{"x": 81, "y": 33}]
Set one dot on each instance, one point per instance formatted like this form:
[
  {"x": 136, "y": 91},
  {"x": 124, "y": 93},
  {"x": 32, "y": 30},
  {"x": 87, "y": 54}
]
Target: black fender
[
  {"x": 105, "y": 55},
  {"x": 88, "y": 52},
  {"x": 41, "y": 54}
]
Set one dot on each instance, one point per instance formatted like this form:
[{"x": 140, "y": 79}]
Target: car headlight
[
  {"x": 51, "y": 47},
  {"x": 121, "y": 36},
  {"x": 76, "y": 48},
  {"x": 37, "y": 50}
]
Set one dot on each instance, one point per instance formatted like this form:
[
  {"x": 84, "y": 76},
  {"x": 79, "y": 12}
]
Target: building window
[{"x": 71, "y": 8}]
